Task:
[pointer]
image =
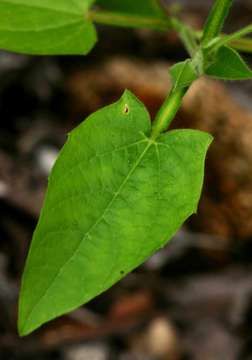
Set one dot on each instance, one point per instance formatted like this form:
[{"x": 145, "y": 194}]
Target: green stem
[
  {"x": 242, "y": 44},
  {"x": 167, "y": 112},
  {"x": 128, "y": 20},
  {"x": 187, "y": 36},
  {"x": 215, "y": 20},
  {"x": 235, "y": 36}
]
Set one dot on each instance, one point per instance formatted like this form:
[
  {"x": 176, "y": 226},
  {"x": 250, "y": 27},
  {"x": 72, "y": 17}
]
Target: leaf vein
[{"x": 92, "y": 227}]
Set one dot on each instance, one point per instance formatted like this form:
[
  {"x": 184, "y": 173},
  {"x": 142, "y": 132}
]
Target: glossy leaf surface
[{"x": 115, "y": 196}]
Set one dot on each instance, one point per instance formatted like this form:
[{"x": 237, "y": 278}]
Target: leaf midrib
[
  {"x": 75, "y": 21},
  {"x": 92, "y": 227}
]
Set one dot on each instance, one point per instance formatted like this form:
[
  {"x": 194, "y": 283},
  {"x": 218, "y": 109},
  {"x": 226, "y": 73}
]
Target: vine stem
[
  {"x": 226, "y": 39},
  {"x": 167, "y": 112},
  {"x": 171, "y": 105},
  {"x": 187, "y": 35},
  {"x": 165, "y": 23},
  {"x": 241, "y": 44},
  {"x": 128, "y": 20},
  {"x": 212, "y": 29},
  {"x": 216, "y": 19}
]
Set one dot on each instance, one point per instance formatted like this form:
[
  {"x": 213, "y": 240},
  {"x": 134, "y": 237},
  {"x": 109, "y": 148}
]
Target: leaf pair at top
[
  {"x": 219, "y": 60},
  {"x": 226, "y": 64},
  {"x": 60, "y": 26}
]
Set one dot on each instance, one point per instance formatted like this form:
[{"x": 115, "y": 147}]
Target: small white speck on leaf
[{"x": 126, "y": 109}]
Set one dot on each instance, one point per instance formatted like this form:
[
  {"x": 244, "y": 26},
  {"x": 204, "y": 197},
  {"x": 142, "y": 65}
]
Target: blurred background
[{"x": 192, "y": 300}]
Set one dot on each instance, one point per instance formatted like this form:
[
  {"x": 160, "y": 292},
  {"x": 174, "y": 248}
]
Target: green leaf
[
  {"x": 150, "y": 8},
  {"x": 46, "y": 27},
  {"x": 182, "y": 74},
  {"x": 115, "y": 196},
  {"x": 228, "y": 65}
]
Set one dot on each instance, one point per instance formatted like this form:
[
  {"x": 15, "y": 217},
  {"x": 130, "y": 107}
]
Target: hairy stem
[{"x": 215, "y": 20}]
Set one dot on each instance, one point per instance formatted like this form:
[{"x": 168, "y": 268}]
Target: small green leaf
[
  {"x": 228, "y": 65},
  {"x": 148, "y": 8},
  {"x": 115, "y": 196},
  {"x": 182, "y": 74},
  {"x": 46, "y": 27}
]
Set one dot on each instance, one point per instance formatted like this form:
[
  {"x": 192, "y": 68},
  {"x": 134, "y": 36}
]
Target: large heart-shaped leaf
[
  {"x": 46, "y": 26},
  {"x": 115, "y": 196}
]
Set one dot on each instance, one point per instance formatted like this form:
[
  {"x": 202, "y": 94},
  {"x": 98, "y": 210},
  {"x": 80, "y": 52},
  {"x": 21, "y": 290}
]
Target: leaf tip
[
  {"x": 210, "y": 138},
  {"x": 127, "y": 94},
  {"x": 207, "y": 138},
  {"x": 128, "y": 98},
  {"x": 26, "y": 327},
  {"x": 23, "y": 328}
]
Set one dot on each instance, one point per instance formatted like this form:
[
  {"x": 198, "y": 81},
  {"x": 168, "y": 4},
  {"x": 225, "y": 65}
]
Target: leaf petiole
[
  {"x": 242, "y": 44},
  {"x": 227, "y": 39},
  {"x": 166, "y": 23},
  {"x": 128, "y": 20}
]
